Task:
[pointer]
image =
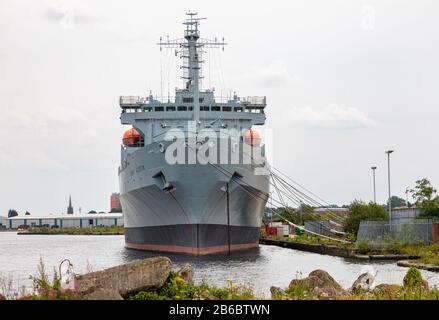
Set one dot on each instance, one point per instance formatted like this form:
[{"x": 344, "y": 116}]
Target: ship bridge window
[
  {"x": 191, "y": 100},
  {"x": 216, "y": 108},
  {"x": 227, "y": 109},
  {"x": 181, "y": 108},
  {"x": 204, "y": 108},
  {"x": 147, "y": 109},
  {"x": 170, "y": 108},
  {"x": 159, "y": 108},
  {"x": 238, "y": 109}
]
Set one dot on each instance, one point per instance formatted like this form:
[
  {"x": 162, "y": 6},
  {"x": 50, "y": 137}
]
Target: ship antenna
[
  {"x": 161, "y": 78},
  {"x": 191, "y": 48}
]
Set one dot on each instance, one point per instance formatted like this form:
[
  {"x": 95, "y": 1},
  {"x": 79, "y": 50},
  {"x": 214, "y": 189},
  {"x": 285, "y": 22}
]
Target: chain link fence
[{"x": 402, "y": 231}]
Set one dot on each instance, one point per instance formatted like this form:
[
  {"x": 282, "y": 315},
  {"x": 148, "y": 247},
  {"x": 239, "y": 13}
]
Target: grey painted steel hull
[{"x": 192, "y": 218}]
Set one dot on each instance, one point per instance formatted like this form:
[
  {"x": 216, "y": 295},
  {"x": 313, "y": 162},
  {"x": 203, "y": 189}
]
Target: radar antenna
[{"x": 190, "y": 48}]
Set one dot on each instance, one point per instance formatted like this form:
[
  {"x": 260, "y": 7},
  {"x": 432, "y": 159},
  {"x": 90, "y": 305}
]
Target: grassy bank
[
  {"x": 176, "y": 288},
  {"x": 318, "y": 285},
  {"x": 77, "y": 231},
  {"x": 429, "y": 254}
]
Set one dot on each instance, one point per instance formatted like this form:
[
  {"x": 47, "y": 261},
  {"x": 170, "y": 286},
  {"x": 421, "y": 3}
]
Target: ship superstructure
[{"x": 211, "y": 199}]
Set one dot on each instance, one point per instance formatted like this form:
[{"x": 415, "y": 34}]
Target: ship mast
[
  {"x": 191, "y": 48},
  {"x": 192, "y": 35}
]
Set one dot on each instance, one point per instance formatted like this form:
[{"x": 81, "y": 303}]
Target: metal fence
[
  {"x": 321, "y": 227},
  {"x": 403, "y": 231}
]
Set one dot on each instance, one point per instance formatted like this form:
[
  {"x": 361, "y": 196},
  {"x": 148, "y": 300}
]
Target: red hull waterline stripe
[{"x": 191, "y": 250}]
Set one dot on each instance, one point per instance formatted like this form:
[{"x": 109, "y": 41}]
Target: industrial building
[
  {"x": 115, "y": 203},
  {"x": 63, "y": 220}
]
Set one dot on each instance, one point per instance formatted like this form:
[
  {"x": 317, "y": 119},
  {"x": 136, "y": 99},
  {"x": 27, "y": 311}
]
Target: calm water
[{"x": 259, "y": 268}]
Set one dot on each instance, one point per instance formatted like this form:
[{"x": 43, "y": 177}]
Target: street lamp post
[
  {"x": 388, "y": 152},
  {"x": 374, "y": 189}
]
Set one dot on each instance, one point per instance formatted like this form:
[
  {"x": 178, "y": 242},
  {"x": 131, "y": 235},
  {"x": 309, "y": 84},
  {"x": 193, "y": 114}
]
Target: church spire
[{"x": 70, "y": 208}]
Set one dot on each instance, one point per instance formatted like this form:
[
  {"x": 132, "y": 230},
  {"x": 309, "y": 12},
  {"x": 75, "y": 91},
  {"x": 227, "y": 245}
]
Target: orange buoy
[
  {"x": 252, "y": 137},
  {"x": 131, "y": 138}
]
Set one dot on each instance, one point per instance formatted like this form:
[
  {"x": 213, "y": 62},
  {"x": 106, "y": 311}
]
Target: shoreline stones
[
  {"x": 278, "y": 293},
  {"x": 186, "y": 273},
  {"x": 319, "y": 283},
  {"x": 363, "y": 283},
  {"x": 126, "y": 279}
]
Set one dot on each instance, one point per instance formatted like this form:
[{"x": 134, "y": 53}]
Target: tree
[
  {"x": 424, "y": 195},
  {"x": 306, "y": 212},
  {"x": 396, "y": 202},
  {"x": 289, "y": 214},
  {"x": 358, "y": 211},
  {"x": 296, "y": 216}
]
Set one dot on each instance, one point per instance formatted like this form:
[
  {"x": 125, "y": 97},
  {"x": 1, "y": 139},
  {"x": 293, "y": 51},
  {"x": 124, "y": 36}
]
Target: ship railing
[
  {"x": 137, "y": 101},
  {"x": 129, "y": 100},
  {"x": 254, "y": 101},
  {"x": 133, "y": 104}
]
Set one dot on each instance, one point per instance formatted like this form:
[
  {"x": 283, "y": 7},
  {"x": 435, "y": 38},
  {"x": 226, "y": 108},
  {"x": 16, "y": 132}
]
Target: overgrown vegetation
[
  {"x": 78, "y": 231},
  {"x": 429, "y": 254},
  {"x": 44, "y": 289},
  {"x": 425, "y": 198},
  {"x": 359, "y": 211},
  {"x": 414, "y": 288},
  {"x": 177, "y": 289},
  {"x": 295, "y": 215}
]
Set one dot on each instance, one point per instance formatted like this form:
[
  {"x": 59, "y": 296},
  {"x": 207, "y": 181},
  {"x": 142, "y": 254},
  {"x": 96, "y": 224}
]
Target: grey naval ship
[{"x": 210, "y": 199}]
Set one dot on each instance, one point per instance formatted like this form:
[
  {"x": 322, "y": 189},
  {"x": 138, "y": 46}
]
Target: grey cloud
[
  {"x": 273, "y": 75},
  {"x": 66, "y": 12},
  {"x": 332, "y": 116}
]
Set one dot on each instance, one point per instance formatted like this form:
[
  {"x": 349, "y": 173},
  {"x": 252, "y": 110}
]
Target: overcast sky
[{"x": 344, "y": 80}]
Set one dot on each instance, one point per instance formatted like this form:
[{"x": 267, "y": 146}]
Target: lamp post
[
  {"x": 374, "y": 189},
  {"x": 388, "y": 152}
]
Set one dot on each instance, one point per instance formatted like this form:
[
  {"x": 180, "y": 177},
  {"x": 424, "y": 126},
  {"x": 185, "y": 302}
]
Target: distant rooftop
[{"x": 66, "y": 216}]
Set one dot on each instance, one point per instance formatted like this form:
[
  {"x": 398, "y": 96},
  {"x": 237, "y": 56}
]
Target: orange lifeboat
[
  {"x": 131, "y": 138},
  {"x": 252, "y": 137}
]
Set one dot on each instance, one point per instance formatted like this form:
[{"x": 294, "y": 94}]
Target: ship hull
[
  {"x": 197, "y": 239},
  {"x": 197, "y": 216}
]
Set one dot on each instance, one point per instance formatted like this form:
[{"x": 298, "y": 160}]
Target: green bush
[
  {"x": 359, "y": 211},
  {"x": 413, "y": 278},
  {"x": 363, "y": 247},
  {"x": 396, "y": 247}
]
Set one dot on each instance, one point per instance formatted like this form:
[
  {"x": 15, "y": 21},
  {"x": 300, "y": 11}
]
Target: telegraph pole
[{"x": 388, "y": 152}]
